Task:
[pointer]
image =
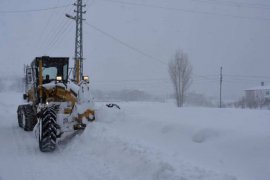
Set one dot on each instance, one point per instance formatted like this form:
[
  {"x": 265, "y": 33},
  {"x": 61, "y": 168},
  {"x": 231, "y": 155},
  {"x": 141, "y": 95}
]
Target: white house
[{"x": 258, "y": 96}]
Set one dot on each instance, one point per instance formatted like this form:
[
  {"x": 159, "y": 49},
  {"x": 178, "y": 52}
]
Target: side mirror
[{"x": 25, "y": 96}]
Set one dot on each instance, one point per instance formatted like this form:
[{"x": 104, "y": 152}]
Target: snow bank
[
  {"x": 204, "y": 134},
  {"x": 128, "y": 160},
  {"x": 144, "y": 141}
]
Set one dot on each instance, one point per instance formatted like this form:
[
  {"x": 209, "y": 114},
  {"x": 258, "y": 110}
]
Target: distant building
[{"x": 258, "y": 96}]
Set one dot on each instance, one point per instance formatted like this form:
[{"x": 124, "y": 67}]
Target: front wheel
[
  {"x": 26, "y": 117},
  {"x": 20, "y": 116},
  {"x": 48, "y": 129}
]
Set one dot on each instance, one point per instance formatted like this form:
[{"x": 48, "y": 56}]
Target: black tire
[
  {"x": 48, "y": 129},
  {"x": 91, "y": 119},
  {"x": 20, "y": 116},
  {"x": 26, "y": 117}
]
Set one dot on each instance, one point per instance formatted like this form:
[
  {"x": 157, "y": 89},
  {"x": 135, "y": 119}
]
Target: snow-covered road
[{"x": 143, "y": 141}]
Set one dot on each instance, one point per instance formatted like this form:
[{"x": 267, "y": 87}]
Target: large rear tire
[
  {"x": 48, "y": 129},
  {"x": 20, "y": 116},
  {"x": 26, "y": 117}
]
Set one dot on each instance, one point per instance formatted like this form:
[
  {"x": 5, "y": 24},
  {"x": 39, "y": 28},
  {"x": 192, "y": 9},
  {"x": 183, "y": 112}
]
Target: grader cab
[{"x": 56, "y": 106}]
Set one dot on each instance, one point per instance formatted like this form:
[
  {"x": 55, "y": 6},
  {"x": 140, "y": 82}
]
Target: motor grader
[{"x": 55, "y": 105}]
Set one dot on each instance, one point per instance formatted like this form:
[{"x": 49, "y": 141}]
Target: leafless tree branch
[{"x": 180, "y": 71}]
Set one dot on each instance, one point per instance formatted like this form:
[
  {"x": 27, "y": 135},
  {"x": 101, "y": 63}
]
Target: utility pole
[
  {"x": 220, "y": 88},
  {"x": 78, "y": 64}
]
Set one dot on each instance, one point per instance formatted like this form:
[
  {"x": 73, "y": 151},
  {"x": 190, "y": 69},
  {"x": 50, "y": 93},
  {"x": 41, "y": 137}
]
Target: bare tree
[{"x": 180, "y": 71}]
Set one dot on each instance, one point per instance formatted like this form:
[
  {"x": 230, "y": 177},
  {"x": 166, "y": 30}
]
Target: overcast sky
[{"x": 133, "y": 40}]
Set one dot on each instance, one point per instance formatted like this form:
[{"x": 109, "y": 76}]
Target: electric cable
[
  {"x": 58, "y": 35},
  {"x": 187, "y": 10},
  {"x": 33, "y": 10},
  {"x": 235, "y": 4},
  {"x": 125, "y": 44}
]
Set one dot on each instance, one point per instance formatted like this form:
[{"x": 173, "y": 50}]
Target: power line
[
  {"x": 41, "y": 36},
  {"x": 56, "y": 28},
  {"x": 33, "y": 10},
  {"x": 247, "y": 76},
  {"x": 232, "y": 78},
  {"x": 126, "y": 44},
  {"x": 212, "y": 78},
  {"x": 53, "y": 34},
  {"x": 196, "y": 78},
  {"x": 236, "y": 4},
  {"x": 186, "y": 10},
  {"x": 236, "y": 76},
  {"x": 48, "y": 32},
  {"x": 58, "y": 35},
  {"x": 135, "y": 81}
]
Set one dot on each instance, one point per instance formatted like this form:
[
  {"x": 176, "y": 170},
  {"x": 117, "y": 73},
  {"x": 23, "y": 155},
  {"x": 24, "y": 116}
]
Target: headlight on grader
[
  {"x": 58, "y": 78},
  {"x": 85, "y": 78}
]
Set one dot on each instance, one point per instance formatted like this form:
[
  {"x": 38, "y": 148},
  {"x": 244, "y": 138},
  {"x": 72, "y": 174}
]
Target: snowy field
[{"x": 143, "y": 141}]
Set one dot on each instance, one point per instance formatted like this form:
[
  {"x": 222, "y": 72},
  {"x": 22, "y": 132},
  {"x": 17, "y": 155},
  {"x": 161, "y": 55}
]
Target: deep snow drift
[{"x": 143, "y": 141}]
